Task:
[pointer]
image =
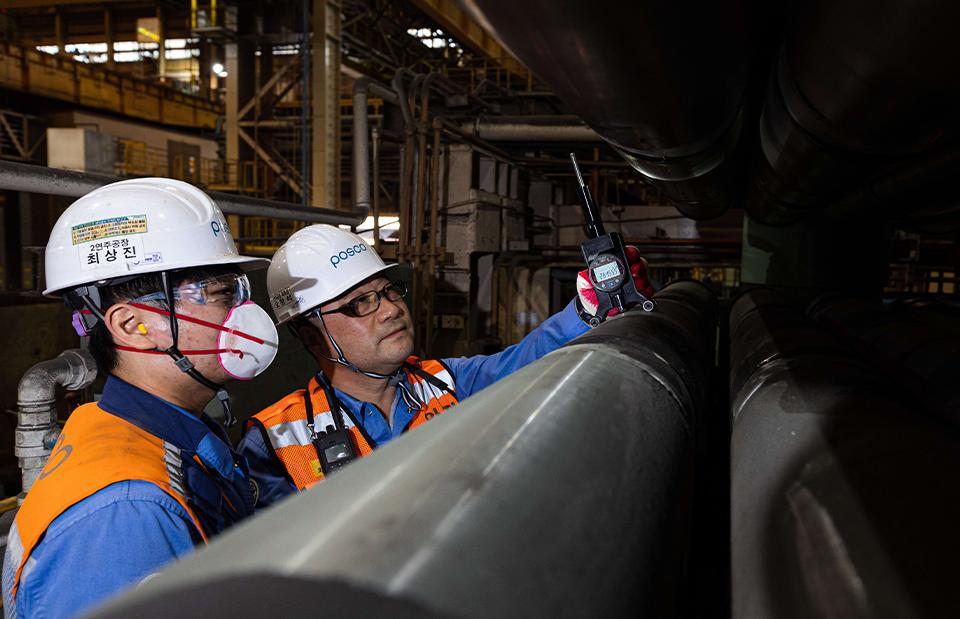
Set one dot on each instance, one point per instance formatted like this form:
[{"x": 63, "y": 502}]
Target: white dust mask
[{"x": 248, "y": 341}]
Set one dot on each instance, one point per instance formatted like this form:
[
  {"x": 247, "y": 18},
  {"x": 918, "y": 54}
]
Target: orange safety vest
[
  {"x": 287, "y": 436},
  {"x": 95, "y": 449}
]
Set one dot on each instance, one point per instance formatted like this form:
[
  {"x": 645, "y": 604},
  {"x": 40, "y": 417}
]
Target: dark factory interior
[{"x": 772, "y": 434}]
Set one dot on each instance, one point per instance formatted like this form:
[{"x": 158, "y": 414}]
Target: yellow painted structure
[
  {"x": 458, "y": 23},
  {"x": 62, "y": 78}
]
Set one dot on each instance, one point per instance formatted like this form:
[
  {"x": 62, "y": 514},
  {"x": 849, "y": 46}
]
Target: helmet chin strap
[
  {"x": 395, "y": 380},
  {"x": 184, "y": 364}
]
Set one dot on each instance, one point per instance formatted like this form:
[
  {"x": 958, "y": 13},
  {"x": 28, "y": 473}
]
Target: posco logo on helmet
[{"x": 350, "y": 251}]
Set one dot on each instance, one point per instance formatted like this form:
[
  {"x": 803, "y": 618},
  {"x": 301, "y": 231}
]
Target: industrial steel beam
[
  {"x": 62, "y": 78},
  {"x": 267, "y": 87},
  {"x": 324, "y": 90},
  {"x": 563, "y": 490},
  {"x": 276, "y": 162},
  {"x": 33, "y": 4},
  {"x": 456, "y": 22},
  {"x": 40, "y": 179}
]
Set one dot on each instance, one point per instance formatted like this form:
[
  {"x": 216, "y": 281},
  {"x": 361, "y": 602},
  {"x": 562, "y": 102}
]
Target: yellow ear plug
[{"x": 142, "y": 329}]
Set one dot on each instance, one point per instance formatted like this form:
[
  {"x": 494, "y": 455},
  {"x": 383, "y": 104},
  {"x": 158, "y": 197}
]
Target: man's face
[
  {"x": 379, "y": 342},
  {"x": 192, "y": 336}
]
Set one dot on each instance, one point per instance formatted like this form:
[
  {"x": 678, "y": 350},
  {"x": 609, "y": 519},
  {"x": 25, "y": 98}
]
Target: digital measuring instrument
[{"x": 606, "y": 258}]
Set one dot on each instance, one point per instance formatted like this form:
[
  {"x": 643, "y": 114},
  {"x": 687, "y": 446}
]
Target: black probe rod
[
  {"x": 591, "y": 213},
  {"x": 576, "y": 168}
]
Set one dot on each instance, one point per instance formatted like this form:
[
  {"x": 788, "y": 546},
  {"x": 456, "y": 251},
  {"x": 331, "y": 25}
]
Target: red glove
[{"x": 638, "y": 268}]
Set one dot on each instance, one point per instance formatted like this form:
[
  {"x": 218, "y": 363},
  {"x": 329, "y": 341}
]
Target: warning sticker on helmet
[
  {"x": 111, "y": 252},
  {"x": 105, "y": 228}
]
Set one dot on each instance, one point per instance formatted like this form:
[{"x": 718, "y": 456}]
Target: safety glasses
[
  {"x": 228, "y": 290},
  {"x": 369, "y": 302}
]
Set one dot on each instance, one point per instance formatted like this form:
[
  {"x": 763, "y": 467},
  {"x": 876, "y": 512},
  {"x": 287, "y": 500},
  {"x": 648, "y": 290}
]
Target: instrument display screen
[
  {"x": 336, "y": 453},
  {"x": 606, "y": 271}
]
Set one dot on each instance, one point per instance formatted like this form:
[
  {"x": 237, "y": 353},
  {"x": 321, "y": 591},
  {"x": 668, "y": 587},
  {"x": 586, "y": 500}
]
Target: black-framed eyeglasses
[{"x": 369, "y": 302}]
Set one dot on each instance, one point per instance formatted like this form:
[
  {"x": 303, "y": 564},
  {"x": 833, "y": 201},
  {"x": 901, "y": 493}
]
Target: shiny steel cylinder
[
  {"x": 37, "y": 428},
  {"x": 563, "y": 490},
  {"x": 860, "y": 84},
  {"x": 844, "y": 494},
  {"x": 917, "y": 348},
  {"x": 662, "y": 82}
]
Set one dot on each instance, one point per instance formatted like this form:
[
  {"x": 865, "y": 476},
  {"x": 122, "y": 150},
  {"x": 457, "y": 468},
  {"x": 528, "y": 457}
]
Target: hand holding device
[{"x": 609, "y": 272}]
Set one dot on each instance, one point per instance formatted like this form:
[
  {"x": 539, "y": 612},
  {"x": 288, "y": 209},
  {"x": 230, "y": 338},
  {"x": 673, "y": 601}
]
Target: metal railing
[
  {"x": 248, "y": 177},
  {"x": 265, "y": 234},
  {"x": 478, "y": 69}
]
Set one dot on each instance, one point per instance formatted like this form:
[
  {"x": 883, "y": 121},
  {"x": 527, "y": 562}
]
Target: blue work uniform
[
  {"x": 471, "y": 374},
  {"x": 130, "y": 529}
]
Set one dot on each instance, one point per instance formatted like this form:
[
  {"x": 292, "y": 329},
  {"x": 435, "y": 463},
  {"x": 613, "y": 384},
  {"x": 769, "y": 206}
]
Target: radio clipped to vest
[
  {"x": 334, "y": 445},
  {"x": 334, "y": 449}
]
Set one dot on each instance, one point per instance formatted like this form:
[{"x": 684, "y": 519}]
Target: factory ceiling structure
[{"x": 778, "y": 437}]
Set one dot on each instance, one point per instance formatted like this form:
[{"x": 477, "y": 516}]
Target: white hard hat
[
  {"x": 135, "y": 227},
  {"x": 315, "y": 265}
]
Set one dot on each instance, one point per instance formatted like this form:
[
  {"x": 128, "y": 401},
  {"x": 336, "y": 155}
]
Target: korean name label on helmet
[
  {"x": 285, "y": 302},
  {"x": 336, "y": 259},
  {"x": 110, "y": 241}
]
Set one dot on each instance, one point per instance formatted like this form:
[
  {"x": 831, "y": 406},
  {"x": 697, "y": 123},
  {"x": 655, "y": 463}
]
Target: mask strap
[
  {"x": 196, "y": 321},
  {"x": 217, "y": 351}
]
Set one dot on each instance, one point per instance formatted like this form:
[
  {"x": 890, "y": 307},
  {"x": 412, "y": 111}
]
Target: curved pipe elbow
[{"x": 73, "y": 369}]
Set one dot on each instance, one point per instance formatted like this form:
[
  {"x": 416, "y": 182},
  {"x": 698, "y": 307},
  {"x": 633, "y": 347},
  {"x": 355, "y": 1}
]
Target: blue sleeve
[
  {"x": 272, "y": 484},
  {"x": 475, "y": 373},
  {"x": 107, "y": 542}
]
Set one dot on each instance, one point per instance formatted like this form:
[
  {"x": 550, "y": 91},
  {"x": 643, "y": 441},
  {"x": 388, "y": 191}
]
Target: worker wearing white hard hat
[
  {"x": 140, "y": 477},
  {"x": 346, "y": 305}
]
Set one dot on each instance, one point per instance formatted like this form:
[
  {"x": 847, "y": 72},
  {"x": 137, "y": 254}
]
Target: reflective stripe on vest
[
  {"x": 95, "y": 449},
  {"x": 287, "y": 433},
  {"x": 437, "y": 400}
]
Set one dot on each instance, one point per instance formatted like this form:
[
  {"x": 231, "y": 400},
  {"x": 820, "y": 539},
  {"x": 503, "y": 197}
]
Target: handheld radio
[
  {"x": 333, "y": 445},
  {"x": 334, "y": 450},
  {"x": 606, "y": 260}
]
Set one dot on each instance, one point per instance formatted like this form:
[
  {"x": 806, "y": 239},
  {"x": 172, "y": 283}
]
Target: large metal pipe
[
  {"x": 563, "y": 490},
  {"x": 844, "y": 496},
  {"x": 531, "y": 129},
  {"x": 361, "y": 133},
  {"x": 44, "y": 180},
  {"x": 662, "y": 82},
  {"x": 850, "y": 95},
  {"x": 921, "y": 189},
  {"x": 37, "y": 428},
  {"x": 916, "y": 348}
]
